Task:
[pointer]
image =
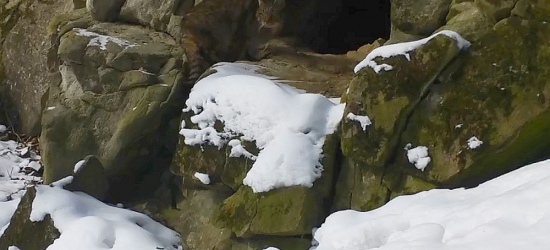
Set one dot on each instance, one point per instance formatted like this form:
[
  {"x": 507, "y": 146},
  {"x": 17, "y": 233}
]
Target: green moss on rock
[{"x": 499, "y": 96}]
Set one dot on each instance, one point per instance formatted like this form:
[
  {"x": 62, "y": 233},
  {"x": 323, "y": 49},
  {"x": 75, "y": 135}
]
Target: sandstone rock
[
  {"x": 197, "y": 222},
  {"x": 26, "y": 234},
  {"x": 23, "y": 63},
  {"x": 119, "y": 88},
  {"x": 468, "y": 20},
  {"x": 154, "y": 14},
  {"x": 419, "y": 17},
  {"x": 104, "y": 10},
  {"x": 90, "y": 178},
  {"x": 290, "y": 211},
  {"x": 195, "y": 217},
  {"x": 265, "y": 217},
  {"x": 499, "y": 97},
  {"x": 388, "y": 98},
  {"x": 496, "y": 10}
]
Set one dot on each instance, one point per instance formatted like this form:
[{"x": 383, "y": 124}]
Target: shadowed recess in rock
[{"x": 336, "y": 27}]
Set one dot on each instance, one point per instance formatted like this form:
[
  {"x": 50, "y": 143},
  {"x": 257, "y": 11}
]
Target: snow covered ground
[
  {"x": 510, "y": 212},
  {"x": 13, "y": 178},
  {"x": 287, "y": 125},
  {"x": 84, "y": 222},
  {"x": 14, "y": 164}
]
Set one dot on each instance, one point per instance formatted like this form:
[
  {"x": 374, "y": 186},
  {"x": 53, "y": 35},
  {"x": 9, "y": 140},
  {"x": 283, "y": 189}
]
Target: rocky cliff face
[{"x": 447, "y": 114}]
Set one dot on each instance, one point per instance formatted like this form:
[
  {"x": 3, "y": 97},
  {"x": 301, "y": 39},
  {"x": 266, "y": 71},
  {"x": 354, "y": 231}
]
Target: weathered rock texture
[
  {"x": 115, "y": 93},
  {"x": 118, "y": 85},
  {"x": 440, "y": 99},
  {"x": 234, "y": 209},
  {"x": 104, "y": 10},
  {"x": 24, "y": 75}
]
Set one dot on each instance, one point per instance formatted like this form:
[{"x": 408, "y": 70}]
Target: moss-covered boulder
[
  {"x": 276, "y": 217},
  {"x": 24, "y": 43},
  {"x": 26, "y": 234},
  {"x": 388, "y": 98},
  {"x": 196, "y": 218},
  {"x": 499, "y": 97},
  {"x": 479, "y": 114},
  {"x": 118, "y": 90},
  {"x": 290, "y": 211}
]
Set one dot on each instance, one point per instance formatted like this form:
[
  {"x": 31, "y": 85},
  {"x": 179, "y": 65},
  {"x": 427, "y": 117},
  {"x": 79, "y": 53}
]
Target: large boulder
[
  {"x": 388, "y": 98},
  {"x": 24, "y": 74},
  {"x": 104, "y": 10},
  {"x": 467, "y": 116},
  {"x": 499, "y": 98},
  {"x": 195, "y": 217},
  {"x": 262, "y": 219},
  {"x": 119, "y": 87}
]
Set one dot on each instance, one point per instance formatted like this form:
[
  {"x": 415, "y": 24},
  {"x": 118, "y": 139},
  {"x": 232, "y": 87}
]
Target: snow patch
[
  {"x": 287, "y": 125},
  {"x": 237, "y": 150},
  {"x": 13, "y": 247},
  {"x": 204, "y": 178},
  {"x": 363, "y": 120},
  {"x": 13, "y": 178},
  {"x": 62, "y": 182},
  {"x": 418, "y": 156},
  {"x": 3, "y": 129},
  {"x": 102, "y": 40},
  {"x": 507, "y": 213},
  {"x": 78, "y": 166},
  {"x": 404, "y": 49},
  {"x": 34, "y": 165},
  {"x": 86, "y": 223},
  {"x": 474, "y": 143}
]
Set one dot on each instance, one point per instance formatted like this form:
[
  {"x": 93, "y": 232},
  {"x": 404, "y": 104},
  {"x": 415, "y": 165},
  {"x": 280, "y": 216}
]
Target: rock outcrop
[
  {"x": 234, "y": 208},
  {"x": 24, "y": 73},
  {"x": 117, "y": 85},
  {"x": 115, "y": 95}
]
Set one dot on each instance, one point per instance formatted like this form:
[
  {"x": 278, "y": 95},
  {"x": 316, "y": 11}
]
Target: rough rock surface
[
  {"x": 154, "y": 14},
  {"x": 442, "y": 99},
  {"x": 419, "y": 17},
  {"x": 117, "y": 83},
  {"x": 24, "y": 74},
  {"x": 104, "y": 10},
  {"x": 290, "y": 211},
  {"x": 115, "y": 93},
  {"x": 388, "y": 98}
]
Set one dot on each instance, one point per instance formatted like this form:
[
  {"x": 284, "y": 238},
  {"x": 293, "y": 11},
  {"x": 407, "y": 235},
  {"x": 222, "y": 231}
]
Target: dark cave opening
[{"x": 336, "y": 27}]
